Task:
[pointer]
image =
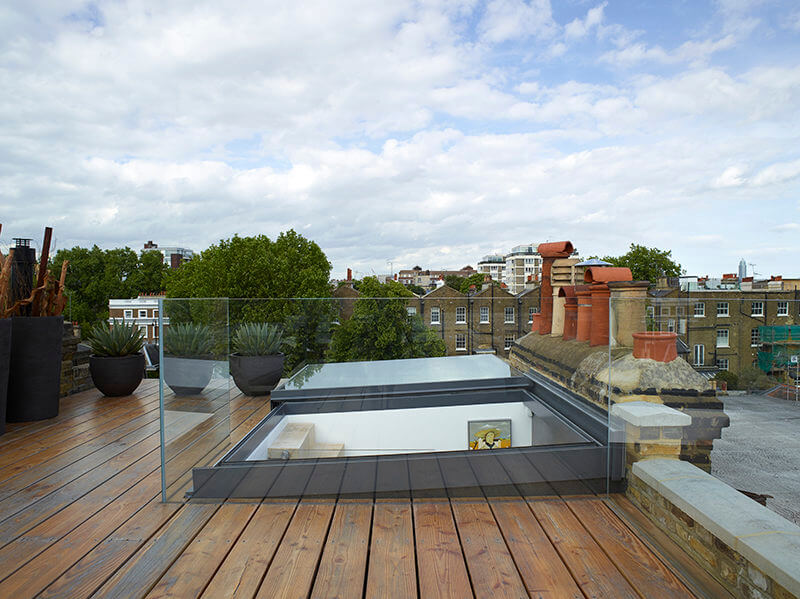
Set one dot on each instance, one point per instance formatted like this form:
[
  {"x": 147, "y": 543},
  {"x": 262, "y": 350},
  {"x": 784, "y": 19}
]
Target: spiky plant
[
  {"x": 258, "y": 339},
  {"x": 188, "y": 340},
  {"x": 117, "y": 340}
]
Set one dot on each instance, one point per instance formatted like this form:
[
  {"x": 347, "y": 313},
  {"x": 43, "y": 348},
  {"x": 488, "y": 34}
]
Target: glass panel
[
  {"x": 399, "y": 372},
  {"x": 194, "y": 389},
  {"x": 706, "y": 393}
]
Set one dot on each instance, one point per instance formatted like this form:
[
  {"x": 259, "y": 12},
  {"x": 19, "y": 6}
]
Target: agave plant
[
  {"x": 116, "y": 340},
  {"x": 258, "y": 339},
  {"x": 188, "y": 340}
]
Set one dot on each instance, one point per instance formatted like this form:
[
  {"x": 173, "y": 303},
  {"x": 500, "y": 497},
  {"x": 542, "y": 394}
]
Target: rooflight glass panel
[{"x": 399, "y": 372}]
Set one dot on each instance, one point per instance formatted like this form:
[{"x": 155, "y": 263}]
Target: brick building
[
  {"x": 720, "y": 325},
  {"x": 487, "y": 320},
  {"x": 142, "y": 311}
]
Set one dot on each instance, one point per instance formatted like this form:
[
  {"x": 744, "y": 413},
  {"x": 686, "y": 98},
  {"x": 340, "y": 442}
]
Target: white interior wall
[{"x": 410, "y": 430}]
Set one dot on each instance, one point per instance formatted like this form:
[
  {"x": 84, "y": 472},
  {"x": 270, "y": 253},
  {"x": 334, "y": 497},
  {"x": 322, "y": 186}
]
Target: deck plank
[
  {"x": 392, "y": 571},
  {"x": 343, "y": 565},
  {"x": 643, "y": 570},
  {"x": 84, "y": 577},
  {"x": 73, "y": 434},
  {"x": 442, "y": 570},
  {"x": 544, "y": 574},
  {"x": 192, "y": 571},
  {"x": 62, "y": 459},
  {"x": 82, "y": 517},
  {"x": 241, "y": 573},
  {"x": 143, "y": 570},
  {"x": 56, "y": 557},
  {"x": 492, "y": 570},
  {"x": 291, "y": 573},
  {"x": 87, "y": 441},
  {"x": 595, "y": 574},
  {"x": 99, "y": 482},
  {"x": 75, "y": 409}
]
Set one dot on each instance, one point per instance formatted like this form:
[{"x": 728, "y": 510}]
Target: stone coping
[
  {"x": 646, "y": 414},
  {"x": 761, "y": 536}
]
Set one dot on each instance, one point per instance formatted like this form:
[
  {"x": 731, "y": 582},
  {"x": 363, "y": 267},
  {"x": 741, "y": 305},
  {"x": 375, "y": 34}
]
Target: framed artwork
[{"x": 489, "y": 434}]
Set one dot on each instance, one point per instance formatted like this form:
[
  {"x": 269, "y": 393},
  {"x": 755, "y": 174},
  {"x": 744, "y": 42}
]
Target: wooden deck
[{"x": 81, "y": 516}]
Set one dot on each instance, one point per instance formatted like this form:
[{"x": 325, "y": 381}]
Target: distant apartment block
[
  {"x": 523, "y": 266},
  {"x": 141, "y": 311},
  {"x": 174, "y": 256},
  {"x": 428, "y": 278},
  {"x": 492, "y": 265}
]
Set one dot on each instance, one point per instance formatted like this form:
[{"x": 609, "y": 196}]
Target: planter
[
  {"x": 655, "y": 345},
  {"x": 256, "y": 375},
  {"x": 187, "y": 376},
  {"x": 5, "y": 357},
  {"x": 117, "y": 376},
  {"x": 34, "y": 377}
]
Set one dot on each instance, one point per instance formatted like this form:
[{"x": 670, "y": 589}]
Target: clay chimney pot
[
  {"x": 555, "y": 249},
  {"x": 606, "y": 274}
]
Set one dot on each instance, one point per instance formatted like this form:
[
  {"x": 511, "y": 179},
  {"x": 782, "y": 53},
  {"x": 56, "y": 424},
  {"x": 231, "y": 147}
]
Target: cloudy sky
[{"x": 411, "y": 132}]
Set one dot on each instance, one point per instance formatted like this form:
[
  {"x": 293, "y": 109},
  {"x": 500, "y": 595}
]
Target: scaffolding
[{"x": 779, "y": 350}]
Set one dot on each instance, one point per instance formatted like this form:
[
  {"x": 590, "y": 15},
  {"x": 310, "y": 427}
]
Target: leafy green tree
[
  {"x": 381, "y": 328},
  {"x": 647, "y": 264},
  {"x": 477, "y": 280},
  {"x": 94, "y": 276},
  {"x": 751, "y": 378},
  {"x": 150, "y": 274},
  {"x": 262, "y": 277},
  {"x": 454, "y": 281},
  {"x": 416, "y": 289}
]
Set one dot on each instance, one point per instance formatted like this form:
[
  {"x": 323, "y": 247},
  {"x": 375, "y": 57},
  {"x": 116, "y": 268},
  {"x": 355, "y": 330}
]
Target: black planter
[
  {"x": 5, "y": 357},
  {"x": 117, "y": 376},
  {"x": 256, "y": 375},
  {"x": 34, "y": 378},
  {"x": 187, "y": 376}
]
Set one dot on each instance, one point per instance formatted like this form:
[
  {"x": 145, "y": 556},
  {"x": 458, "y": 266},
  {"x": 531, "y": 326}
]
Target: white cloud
[
  {"x": 579, "y": 28},
  {"x": 387, "y": 131},
  {"x": 506, "y": 20}
]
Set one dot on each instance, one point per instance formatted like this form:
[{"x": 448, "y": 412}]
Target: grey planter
[
  {"x": 117, "y": 376},
  {"x": 187, "y": 376},
  {"x": 256, "y": 375},
  {"x": 5, "y": 359},
  {"x": 34, "y": 378}
]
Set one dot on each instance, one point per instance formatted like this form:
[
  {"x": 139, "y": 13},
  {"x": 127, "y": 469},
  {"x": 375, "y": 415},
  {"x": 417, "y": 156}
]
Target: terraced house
[{"x": 721, "y": 325}]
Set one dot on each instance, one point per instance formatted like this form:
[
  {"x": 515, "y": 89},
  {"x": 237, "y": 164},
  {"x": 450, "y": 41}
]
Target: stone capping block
[
  {"x": 761, "y": 536},
  {"x": 647, "y": 414}
]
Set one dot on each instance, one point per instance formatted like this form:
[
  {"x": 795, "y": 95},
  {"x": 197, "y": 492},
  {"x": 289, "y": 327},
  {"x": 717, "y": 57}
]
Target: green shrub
[
  {"x": 728, "y": 377},
  {"x": 116, "y": 340},
  {"x": 188, "y": 340},
  {"x": 258, "y": 339}
]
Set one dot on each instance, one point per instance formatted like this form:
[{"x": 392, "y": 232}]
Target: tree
[
  {"x": 647, "y": 264},
  {"x": 454, "y": 281},
  {"x": 382, "y": 329},
  {"x": 477, "y": 280},
  {"x": 262, "y": 277},
  {"x": 416, "y": 289},
  {"x": 751, "y": 378},
  {"x": 94, "y": 276}
]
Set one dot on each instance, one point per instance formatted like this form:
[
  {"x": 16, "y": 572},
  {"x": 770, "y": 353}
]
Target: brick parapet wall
[
  {"x": 730, "y": 568},
  {"x": 75, "y": 375}
]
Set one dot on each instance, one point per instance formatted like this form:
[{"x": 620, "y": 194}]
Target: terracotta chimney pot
[
  {"x": 606, "y": 274},
  {"x": 584, "y": 308}
]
